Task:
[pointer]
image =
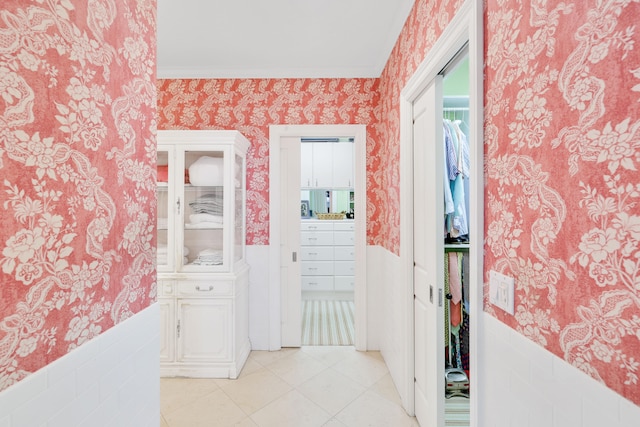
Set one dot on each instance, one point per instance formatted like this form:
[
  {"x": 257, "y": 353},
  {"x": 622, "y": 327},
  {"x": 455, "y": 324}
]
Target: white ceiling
[{"x": 277, "y": 38}]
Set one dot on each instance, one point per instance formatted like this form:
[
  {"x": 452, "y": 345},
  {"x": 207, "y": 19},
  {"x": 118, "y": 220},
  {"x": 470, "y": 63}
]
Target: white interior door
[
  {"x": 291, "y": 291},
  {"x": 428, "y": 272}
]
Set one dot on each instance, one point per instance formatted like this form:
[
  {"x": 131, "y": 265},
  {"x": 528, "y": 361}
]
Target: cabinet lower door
[
  {"x": 167, "y": 330},
  {"x": 204, "y": 330}
]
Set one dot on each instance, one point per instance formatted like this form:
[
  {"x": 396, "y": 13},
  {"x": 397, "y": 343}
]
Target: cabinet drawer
[
  {"x": 343, "y": 238},
  {"x": 317, "y": 283},
  {"x": 320, "y": 253},
  {"x": 344, "y": 268},
  {"x": 345, "y": 253},
  {"x": 316, "y": 238},
  {"x": 204, "y": 288},
  {"x": 344, "y": 226},
  {"x": 317, "y": 268},
  {"x": 316, "y": 226},
  {"x": 344, "y": 283}
]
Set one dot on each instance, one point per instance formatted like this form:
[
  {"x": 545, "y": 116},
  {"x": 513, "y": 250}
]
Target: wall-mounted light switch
[{"x": 501, "y": 291}]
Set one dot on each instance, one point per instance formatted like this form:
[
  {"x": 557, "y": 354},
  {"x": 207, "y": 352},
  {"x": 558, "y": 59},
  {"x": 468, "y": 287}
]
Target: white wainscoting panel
[
  {"x": 529, "y": 386},
  {"x": 111, "y": 381},
  {"x": 387, "y": 312},
  {"x": 258, "y": 260}
]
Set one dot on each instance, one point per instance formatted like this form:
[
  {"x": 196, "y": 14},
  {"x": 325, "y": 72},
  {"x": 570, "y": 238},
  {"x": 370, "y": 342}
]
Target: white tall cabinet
[{"x": 202, "y": 271}]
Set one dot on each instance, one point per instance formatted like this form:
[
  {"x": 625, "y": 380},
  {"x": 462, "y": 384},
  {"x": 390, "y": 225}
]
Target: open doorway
[
  {"x": 291, "y": 237},
  {"x": 327, "y": 237}
]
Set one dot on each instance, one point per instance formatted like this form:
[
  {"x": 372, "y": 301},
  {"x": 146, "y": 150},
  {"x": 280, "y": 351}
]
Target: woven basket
[{"x": 330, "y": 215}]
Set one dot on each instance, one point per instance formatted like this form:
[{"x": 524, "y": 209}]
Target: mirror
[{"x": 328, "y": 201}]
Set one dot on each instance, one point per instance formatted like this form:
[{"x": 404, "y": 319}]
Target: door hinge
[
  {"x": 440, "y": 297},
  {"x": 294, "y": 256},
  {"x": 178, "y": 329}
]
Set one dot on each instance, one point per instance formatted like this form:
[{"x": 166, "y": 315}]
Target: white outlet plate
[{"x": 501, "y": 291}]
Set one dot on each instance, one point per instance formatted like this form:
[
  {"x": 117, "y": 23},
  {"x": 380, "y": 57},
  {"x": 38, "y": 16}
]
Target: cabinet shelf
[{"x": 208, "y": 227}]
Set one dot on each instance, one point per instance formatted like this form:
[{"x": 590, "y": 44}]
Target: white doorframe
[
  {"x": 466, "y": 26},
  {"x": 359, "y": 132}
]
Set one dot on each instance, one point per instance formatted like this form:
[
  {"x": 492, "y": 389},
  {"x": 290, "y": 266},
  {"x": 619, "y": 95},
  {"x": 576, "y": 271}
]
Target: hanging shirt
[{"x": 449, "y": 206}]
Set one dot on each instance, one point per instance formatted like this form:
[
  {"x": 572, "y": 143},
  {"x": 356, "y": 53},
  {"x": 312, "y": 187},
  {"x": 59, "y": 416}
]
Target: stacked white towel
[
  {"x": 210, "y": 203},
  {"x": 209, "y": 257},
  {"x": 204, "y": 220}
]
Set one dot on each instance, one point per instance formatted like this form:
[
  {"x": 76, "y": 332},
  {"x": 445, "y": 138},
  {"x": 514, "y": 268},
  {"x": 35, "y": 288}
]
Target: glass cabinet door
[
  {"x": 164, "y": 194},
  {"x": 203, "y": 217},
  {"x": 240, "y": 222}
]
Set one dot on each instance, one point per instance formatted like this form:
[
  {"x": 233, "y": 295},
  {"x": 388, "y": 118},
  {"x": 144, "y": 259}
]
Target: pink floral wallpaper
[
  {"x": 425, "y": 24},
  {"x": 77, "y": 158},
  {"x": 251, "y": 105},
  {"x": 562, "y": 214}
]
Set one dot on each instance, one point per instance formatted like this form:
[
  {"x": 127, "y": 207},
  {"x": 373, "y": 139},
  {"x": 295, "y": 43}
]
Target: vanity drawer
[
  {"x": 344, "y": 253},
  {"x": 344, "y": 268},
  {"x": 316, "y": 226},
  {"x": 320, "y": 253},
  {"x": 316, "y": 268},
  {"x": 316, "y": 238},
  {"x": 344, "y": 283},
  {"x": 344, "y": 226},
  {"x": 343, "y": 238},
  {"x": 317, "y": 283}
]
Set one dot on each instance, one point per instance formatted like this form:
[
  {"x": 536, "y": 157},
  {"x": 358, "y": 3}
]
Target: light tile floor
[{"x": 309, "y": 386}]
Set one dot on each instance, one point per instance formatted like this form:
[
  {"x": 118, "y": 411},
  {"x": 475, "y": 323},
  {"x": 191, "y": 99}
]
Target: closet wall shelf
[{"x": 456, "y": 247}]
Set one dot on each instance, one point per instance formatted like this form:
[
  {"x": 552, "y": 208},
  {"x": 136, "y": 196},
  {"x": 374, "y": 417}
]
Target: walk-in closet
[{"x": 456, "y": 190}]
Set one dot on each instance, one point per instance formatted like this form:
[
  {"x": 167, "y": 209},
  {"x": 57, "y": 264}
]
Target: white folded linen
[{"x": 205, "y": 217}]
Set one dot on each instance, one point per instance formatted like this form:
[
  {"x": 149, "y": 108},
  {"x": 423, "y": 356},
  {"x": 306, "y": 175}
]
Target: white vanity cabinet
[
  {"x": 342, "y": 165},
  {"x": 202, "y": 271},
  {"x": 326, "y": 165},
  {"x": 327, "y": 255}
]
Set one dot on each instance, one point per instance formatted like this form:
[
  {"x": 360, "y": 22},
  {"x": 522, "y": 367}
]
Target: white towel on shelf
[
  {"x": 207, "y": 171},
  {"x": 209, "y": 257}
]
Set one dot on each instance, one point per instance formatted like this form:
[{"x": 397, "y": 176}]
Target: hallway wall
[
  {"x": 562, "y": 150},
  {"x": 77, "y": 234}
]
